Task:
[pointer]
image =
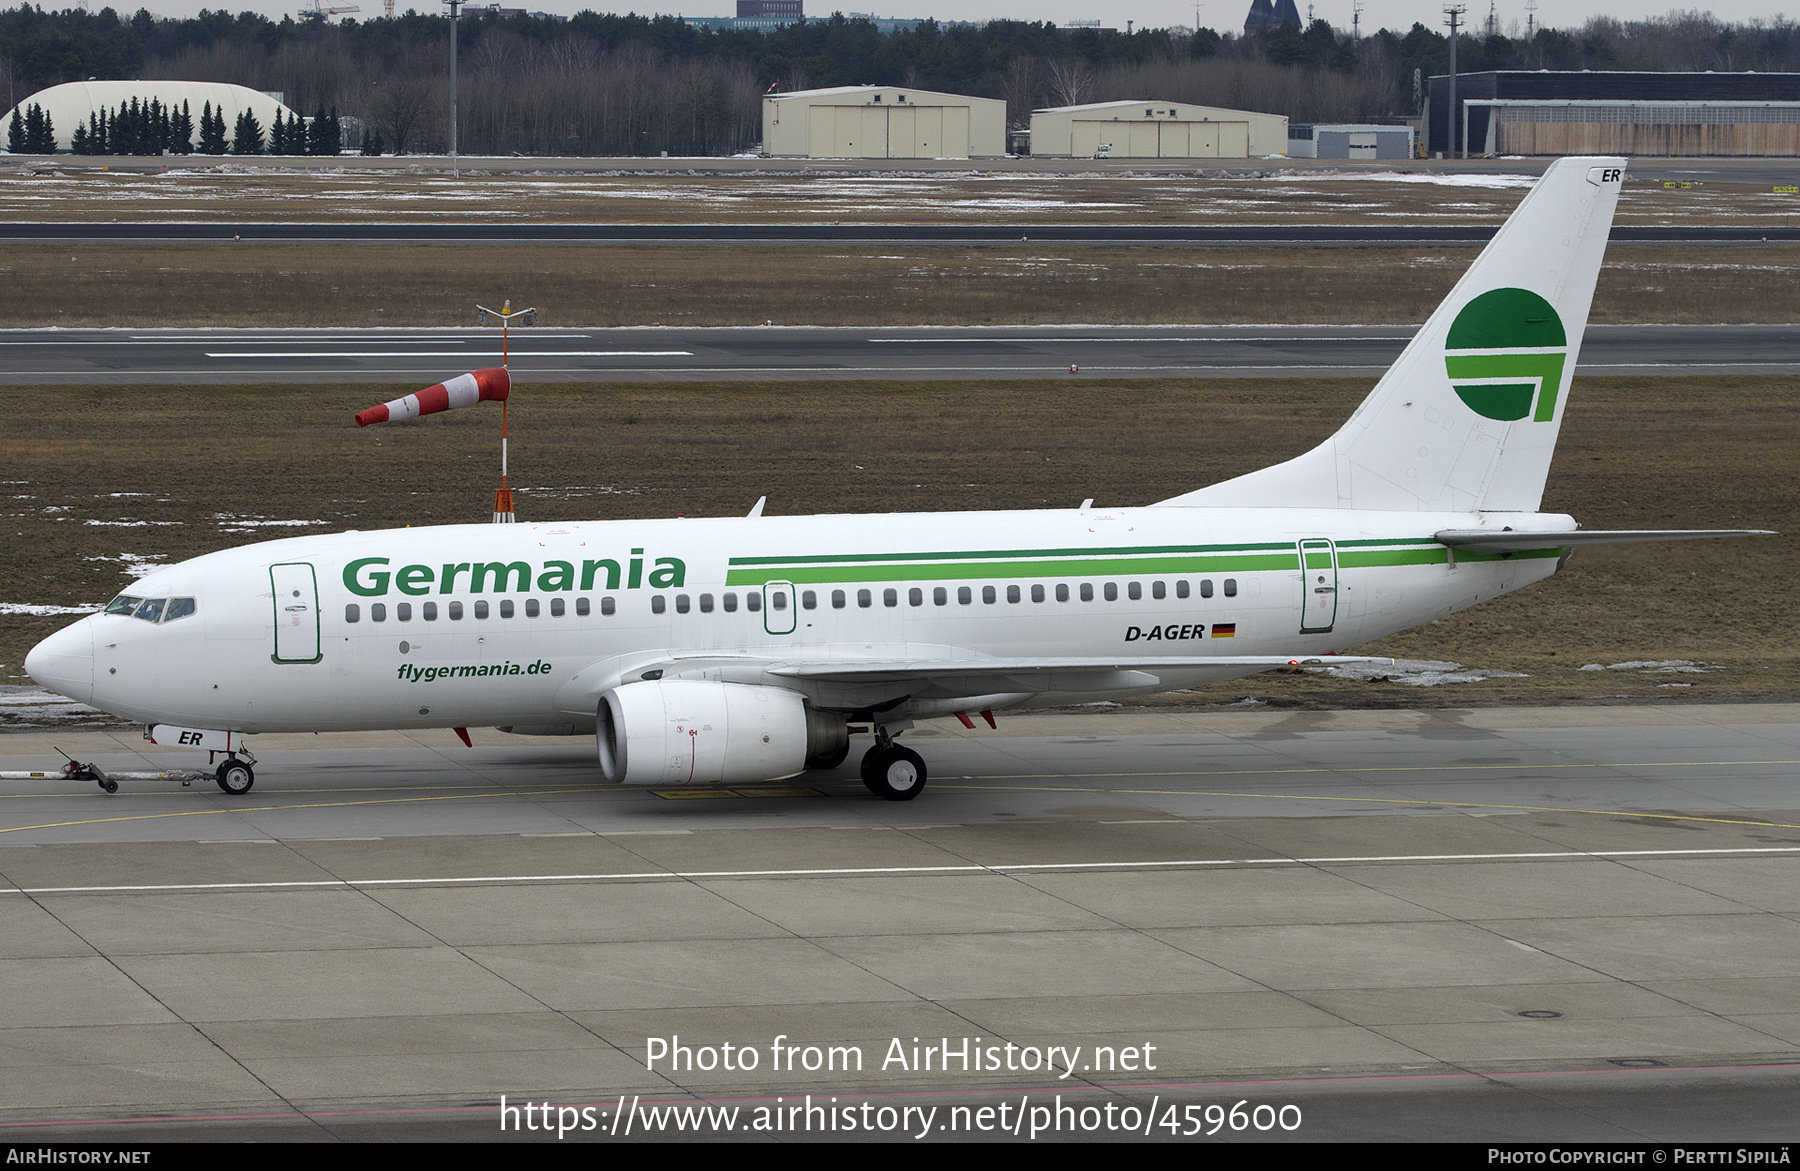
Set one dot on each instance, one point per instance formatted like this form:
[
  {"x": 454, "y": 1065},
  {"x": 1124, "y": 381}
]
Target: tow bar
[{"x": 75, "y": 770}]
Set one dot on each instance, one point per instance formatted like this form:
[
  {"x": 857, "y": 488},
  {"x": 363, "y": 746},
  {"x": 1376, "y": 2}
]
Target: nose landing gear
[{"x": 235, "y": 776}]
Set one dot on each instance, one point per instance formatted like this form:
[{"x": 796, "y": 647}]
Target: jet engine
[{"x": 701, "y": 732}]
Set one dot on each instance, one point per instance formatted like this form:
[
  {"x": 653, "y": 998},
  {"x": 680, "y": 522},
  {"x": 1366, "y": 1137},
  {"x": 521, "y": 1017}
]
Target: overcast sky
[{"x": 1217, "y": 14}]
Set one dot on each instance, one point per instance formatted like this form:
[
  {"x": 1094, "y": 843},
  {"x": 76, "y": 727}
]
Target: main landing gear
[{"x": 892, "y": 772}]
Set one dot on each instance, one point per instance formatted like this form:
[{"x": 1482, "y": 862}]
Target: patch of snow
[{"x": 1415, "y": 673}]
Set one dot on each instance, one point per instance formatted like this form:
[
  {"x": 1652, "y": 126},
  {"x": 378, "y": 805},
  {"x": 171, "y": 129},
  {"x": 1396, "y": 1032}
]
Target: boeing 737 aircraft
[{"x": 751, "y": 648}]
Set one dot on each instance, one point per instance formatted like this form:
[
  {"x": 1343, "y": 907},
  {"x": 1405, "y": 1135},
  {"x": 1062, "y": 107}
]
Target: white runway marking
[{"x": 862, "y": 871}]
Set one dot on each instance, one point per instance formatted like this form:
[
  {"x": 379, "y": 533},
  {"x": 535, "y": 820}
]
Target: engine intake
[{"x": 700, "y": 732}]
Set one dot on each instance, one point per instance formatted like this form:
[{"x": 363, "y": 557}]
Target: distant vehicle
[{"x": 752, "y": 648}]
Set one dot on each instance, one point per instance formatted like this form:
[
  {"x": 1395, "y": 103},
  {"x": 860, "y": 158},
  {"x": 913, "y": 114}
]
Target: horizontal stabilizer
[{"x": 1512, "y": 541}]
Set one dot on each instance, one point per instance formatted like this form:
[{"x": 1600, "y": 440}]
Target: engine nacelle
[{"x": 700, "y": 732}]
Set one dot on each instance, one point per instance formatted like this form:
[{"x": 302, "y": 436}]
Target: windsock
[{"x": 465, "y": 390}]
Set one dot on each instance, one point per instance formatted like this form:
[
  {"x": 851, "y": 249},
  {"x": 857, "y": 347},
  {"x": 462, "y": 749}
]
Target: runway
[
  {"x": 1527, "y": 924},
  {"x": 48, "y": 357},
  {"x": 788, "y": 233}
]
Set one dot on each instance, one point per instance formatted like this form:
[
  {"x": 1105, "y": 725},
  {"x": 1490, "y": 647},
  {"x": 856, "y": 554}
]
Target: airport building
[
  {"x": 70, "y": 104},
  {"x": 1155, "y": 130},
  {"x": 1350, "y": 141},
  {"x": 882, "y": 122},
  {"x": 1554, "y": 113}
]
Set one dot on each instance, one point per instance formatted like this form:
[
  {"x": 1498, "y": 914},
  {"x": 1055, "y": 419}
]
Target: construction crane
[{"x": 318, "y": 10}]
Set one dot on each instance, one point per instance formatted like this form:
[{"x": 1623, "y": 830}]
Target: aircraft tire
[
  {"x": 894, "y": 773},
  {"x": 235, "y": 777}
]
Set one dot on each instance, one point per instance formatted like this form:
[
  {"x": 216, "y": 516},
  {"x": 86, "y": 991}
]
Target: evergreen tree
[
  {"x": 247, "y": 137},
  {"x": 181, "y": 131},
  {"x": 278, "y": 135},
  {"x": 315, "y": 134},
  {"x": 334, "y": 134},
  {"x": 371, "y": 144},
  {"x": 78, "y": 142},
  {"x": 15, "y": 133},
  {"x": 212, "y": 131},
  {"x": 40, "y": 134}
]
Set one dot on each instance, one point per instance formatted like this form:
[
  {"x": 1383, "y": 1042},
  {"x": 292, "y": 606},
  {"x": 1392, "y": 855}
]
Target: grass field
[
  {"x": 99, "y": 479},
  {"x": 270, "y": 285},
  {"x": 249, "y": 194}
]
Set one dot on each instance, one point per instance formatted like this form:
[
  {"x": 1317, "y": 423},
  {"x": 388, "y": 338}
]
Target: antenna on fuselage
[{"x": 503, "y": 501}]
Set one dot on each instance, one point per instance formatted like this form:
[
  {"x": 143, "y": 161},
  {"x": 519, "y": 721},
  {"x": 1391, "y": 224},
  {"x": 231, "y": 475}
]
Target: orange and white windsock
[{"x": 465, "y": 390}]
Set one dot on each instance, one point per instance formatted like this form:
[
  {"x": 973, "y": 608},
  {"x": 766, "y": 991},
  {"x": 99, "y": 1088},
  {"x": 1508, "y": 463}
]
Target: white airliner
[{"x": 750, "y": 648}]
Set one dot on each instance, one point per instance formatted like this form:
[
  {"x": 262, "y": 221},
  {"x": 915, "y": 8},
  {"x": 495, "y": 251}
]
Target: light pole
[
  {"x": 454, "y": 6},
  {"x": 1454, "y": 12}
]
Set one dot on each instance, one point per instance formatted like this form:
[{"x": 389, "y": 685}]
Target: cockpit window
[{"x": 152, "y": 609}]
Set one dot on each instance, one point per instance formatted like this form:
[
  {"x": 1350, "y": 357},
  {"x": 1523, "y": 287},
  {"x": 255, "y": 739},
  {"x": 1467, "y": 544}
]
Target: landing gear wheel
[
  {"x": 235, "y": 777},
  {"x": 893, "y": 773},
  {"x": 109, "y": 785}
]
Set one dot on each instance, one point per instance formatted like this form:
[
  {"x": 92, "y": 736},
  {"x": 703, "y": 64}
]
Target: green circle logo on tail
[{"x": 1506, "y": 350}]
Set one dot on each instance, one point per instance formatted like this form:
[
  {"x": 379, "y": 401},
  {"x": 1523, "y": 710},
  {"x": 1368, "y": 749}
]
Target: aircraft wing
[
  {"x": 1514, "y": 541},
  {"x": 1042, "y": 674}
]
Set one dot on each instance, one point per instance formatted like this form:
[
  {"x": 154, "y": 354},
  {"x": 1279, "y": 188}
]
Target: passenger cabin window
[
  {"x": 1205, "y": 588},
  {"x": 989, "y": 597},
  {"x": 777, "y": 600},
  {"x": 481, "y": 610},
  {"x": 506, "y": 608},
  {"x": 531, "y": 607},
  {"x": 428, "y": 611},
  {"x": 456, "y": 611},
  {"x": 964, "y": 596},
  {"x": 1087, "y": 591},
  {"x": 865, "y": 599},
  {"x": 1156, "y": 590},
  {"x": 1062, "y": 592},
  {"x": 378, "y": 611},
  {"x": 753, "y": 602},
  {"x": 809, "y": 600},
  {"x": 940, "y": 596},
  {"x": 1037, "y": 593},
  {"x": 582, "y": 608},
  {"x": 682, "y": 603},
  {"x": 352, "y": 613},
  {"x": 890, "y": 597},
  {"x": 658, "y": 604},
  {"x": 730, "y": 603},
  {"x": 607, "y": 606},
  {"x": 837, "y": 599},
  {"x": 1231, "y": 587},
  {"x": 556, "y": 608},
  {"x": 1012, "y": 593},
  {"x": 403, "y": 610},
  {"x": 915, "y": 596},
  {"x": 706, "y": 603}
]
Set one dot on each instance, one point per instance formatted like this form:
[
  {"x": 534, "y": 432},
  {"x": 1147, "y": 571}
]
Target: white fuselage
[{"x": 495, "y": 625}]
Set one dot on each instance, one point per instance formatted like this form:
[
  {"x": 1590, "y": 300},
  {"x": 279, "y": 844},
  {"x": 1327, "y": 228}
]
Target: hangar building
[
  {"x": 1155, "y": 130},
  {"x": 882, "y": 122},
  {"x": 1549, "y": 112},
  {"x": 70, "y": 104},
  {"x": 1349, "y": 141}
]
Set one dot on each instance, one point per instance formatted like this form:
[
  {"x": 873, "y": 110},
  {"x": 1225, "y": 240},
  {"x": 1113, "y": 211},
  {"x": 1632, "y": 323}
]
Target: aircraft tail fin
[{"x": 1466, "y": 420}]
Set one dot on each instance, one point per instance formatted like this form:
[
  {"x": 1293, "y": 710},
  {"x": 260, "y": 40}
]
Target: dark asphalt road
[{"x": 750, "y": 354}]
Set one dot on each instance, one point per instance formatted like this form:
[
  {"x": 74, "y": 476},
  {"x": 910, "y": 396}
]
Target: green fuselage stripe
[{"x": 933, "y": 567}]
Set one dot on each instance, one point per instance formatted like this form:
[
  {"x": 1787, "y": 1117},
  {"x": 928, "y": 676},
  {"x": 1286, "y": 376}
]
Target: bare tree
[
  {"x": 399, "y": 105},
  {"x": 1019, "y": 83},
  {"x": 1070, "y": 82}
]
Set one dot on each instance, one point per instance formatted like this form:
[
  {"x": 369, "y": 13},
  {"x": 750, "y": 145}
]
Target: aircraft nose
[{"x": 64, "y": 662}]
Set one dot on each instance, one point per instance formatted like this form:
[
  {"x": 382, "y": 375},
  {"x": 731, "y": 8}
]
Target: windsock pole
[{"x": 503, "y": 501}]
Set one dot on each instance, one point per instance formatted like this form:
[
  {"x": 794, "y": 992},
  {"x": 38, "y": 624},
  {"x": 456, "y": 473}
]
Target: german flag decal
[{"x": 1224, "y": 630}]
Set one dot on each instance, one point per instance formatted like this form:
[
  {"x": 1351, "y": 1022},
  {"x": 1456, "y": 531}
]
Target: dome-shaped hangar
[{"x": 70, "y": 104}]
